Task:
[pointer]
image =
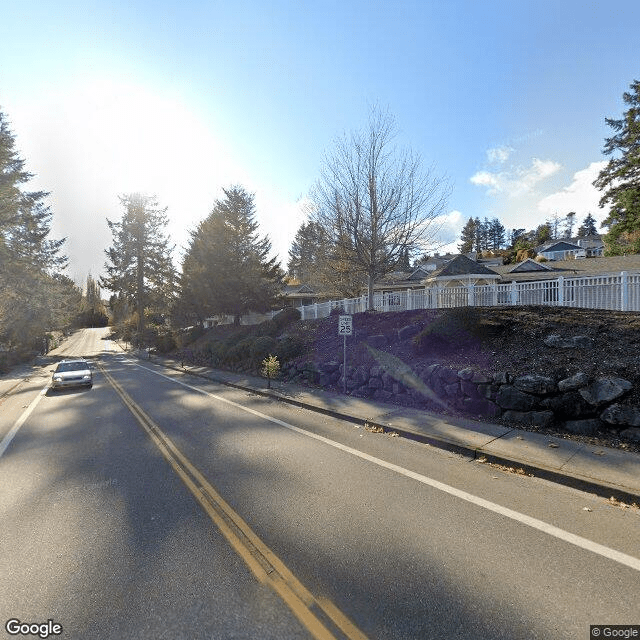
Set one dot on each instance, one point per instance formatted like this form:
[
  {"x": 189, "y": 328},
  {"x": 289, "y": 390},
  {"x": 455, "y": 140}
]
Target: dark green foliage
[
  {"x": 308, "y": 254},
  {"x": 288, "y": 348},
  {"x": 140, "y": 270},
  {"x": 165, "y": 343},
  {"x": 620, "y": 179},
  {"x": 268, "y": 328},
  {"x": 588, "y": 227},
  {"x": 285, "y": 317},
  {"x": 261, "y": 348},
  {"x": 34, "y": 295},
  {"x": 468, "y": 237},
  {"x": 227, "y": 269}
]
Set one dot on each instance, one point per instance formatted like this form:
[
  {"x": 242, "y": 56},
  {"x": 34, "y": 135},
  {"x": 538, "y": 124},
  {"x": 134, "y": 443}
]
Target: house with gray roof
[{"x": 462, "y": 271}]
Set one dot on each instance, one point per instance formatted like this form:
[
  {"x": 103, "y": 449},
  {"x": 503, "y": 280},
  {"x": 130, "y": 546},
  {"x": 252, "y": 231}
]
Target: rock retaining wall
[{"x": 577, "y": 403}]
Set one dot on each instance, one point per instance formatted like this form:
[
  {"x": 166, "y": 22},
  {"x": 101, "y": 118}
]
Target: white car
[{"x": 72, "y": 373}]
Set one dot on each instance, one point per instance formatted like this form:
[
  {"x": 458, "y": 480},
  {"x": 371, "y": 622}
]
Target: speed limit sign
[{"x": 345, "y": 325}]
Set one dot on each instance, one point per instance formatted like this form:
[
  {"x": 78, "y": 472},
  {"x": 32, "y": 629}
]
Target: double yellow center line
[{"x": 264, "y": 564}]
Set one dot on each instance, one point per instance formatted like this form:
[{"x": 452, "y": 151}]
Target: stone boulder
[
  {"x": 508, "y": 397},
  {"x": 605, "y": 390},
  {"x": 632, "y": 433},
  {"x": 536, "y": 384},
  {"x": 583, "y": 427},
  {"x": 569, "y": 405},
  {"x": 618, "y": 414},
  {"x": 559, "y": 342},
  {"x": 576, "y": 381}
]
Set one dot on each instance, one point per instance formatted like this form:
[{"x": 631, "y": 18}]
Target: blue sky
[{"x": 180, "y": 99}]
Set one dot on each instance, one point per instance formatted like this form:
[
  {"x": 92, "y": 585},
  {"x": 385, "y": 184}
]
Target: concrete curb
[{"x": 590, "y": 485}]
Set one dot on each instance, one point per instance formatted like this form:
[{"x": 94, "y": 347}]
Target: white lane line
[
  {"x": 6, "y": 441},
  {"x": 534, "y": 523}
]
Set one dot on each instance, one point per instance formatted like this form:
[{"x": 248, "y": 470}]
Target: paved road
[
  {"x": 378, "y": 537},
  {"x": 86, "y": 343}
]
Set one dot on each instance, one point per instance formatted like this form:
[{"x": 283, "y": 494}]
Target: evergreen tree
[
  {"x": 543, "y": 234},
  {"x": 588, "y": 227},
  {"x": 34, "y": 296},
  {"x": 227, "y": 269},
  {"x": 620, "y": 178},
  {"x": 404, "y": 262},
  {"x": 468, "y": 236},
  {"x": 92, "y": 310},
  {"x": 496, "y": 235},
  {"x": 514, "y": 236},
  {"x": 139, "y": 269},
  {"x": 308, "y": 254}
]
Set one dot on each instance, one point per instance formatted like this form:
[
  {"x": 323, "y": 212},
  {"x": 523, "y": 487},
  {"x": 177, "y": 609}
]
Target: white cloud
[
  {"x": 499, "y": 155},
  {"x": 580, "y": 196},
  {"x": 517, "y": 181},
  {"x": 450, "y": 226}
]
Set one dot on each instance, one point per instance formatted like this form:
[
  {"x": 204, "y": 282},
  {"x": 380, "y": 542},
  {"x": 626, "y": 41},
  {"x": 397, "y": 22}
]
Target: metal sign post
[{"x": 345, "y": 328}]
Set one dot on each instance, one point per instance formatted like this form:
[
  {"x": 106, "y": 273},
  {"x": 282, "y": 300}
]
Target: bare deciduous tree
[{"x": 375, "y": 201}]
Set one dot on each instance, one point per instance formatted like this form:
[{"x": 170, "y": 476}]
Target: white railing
[{"x": 615, "y": 292}]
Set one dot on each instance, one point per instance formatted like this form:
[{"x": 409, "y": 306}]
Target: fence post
[
  {"x": 624, "y": 291},
  {"x": 494, "y": 294},
  {"x": 514, "y": 293},
  {"x": 409, "y": 299},
  {"x": 471, "y": 299},
  {"x": 560, "y": 291}
]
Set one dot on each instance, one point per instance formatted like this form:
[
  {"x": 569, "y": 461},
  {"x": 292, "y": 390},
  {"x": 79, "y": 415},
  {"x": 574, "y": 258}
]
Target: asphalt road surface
[{"x": 159, "y": 505}]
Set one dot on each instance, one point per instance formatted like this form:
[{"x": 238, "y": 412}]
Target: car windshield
[{"x": 72, "y": 366}]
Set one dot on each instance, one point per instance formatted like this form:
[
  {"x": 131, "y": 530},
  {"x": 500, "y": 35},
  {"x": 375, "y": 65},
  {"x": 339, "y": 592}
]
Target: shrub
[
  {"x": 239, "y": 351},
  {"x": 261, "y": 348},
  {"x": 337, "y": 311},
  {"x": 268, "y": 328},
  {"x": 270, "y": 368},
  {"x": 286, "y": 317},
  {"x": 288, "y": 348},
  {"x": 165, "y": 343}
]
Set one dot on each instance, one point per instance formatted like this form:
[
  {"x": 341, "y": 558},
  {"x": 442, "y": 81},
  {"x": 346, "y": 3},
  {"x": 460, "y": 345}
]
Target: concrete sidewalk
[{"x": 602, "y": 470}]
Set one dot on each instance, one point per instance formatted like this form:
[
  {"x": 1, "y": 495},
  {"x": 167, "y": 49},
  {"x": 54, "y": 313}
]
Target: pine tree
[
  {"x": 620, "y": 178},
  {"x": 468, "y": 236},
  {"x": 34, "y": 296},
  {"x": 308, "y": 254},
  {"x": 588, "y": 227},
  {"x": 496, "y": 235},
  {"x": 140, "y": 270},
  {"x": 227, "y": 269},
  {"x": 514, "y": 237}
]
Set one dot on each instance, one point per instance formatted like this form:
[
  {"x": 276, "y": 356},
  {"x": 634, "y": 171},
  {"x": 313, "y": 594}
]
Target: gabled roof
[
  {"x": 419, "y": 273},
  {"x": 529, "y": 265},
  {"x": 297, "y": 288},
  {"x": 561, "y": 245},
  {"x": 462, "y": 266}
]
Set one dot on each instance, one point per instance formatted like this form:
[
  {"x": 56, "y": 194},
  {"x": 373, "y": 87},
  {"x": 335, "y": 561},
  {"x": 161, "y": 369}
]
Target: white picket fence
[{"x": 619, "y": 292}]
